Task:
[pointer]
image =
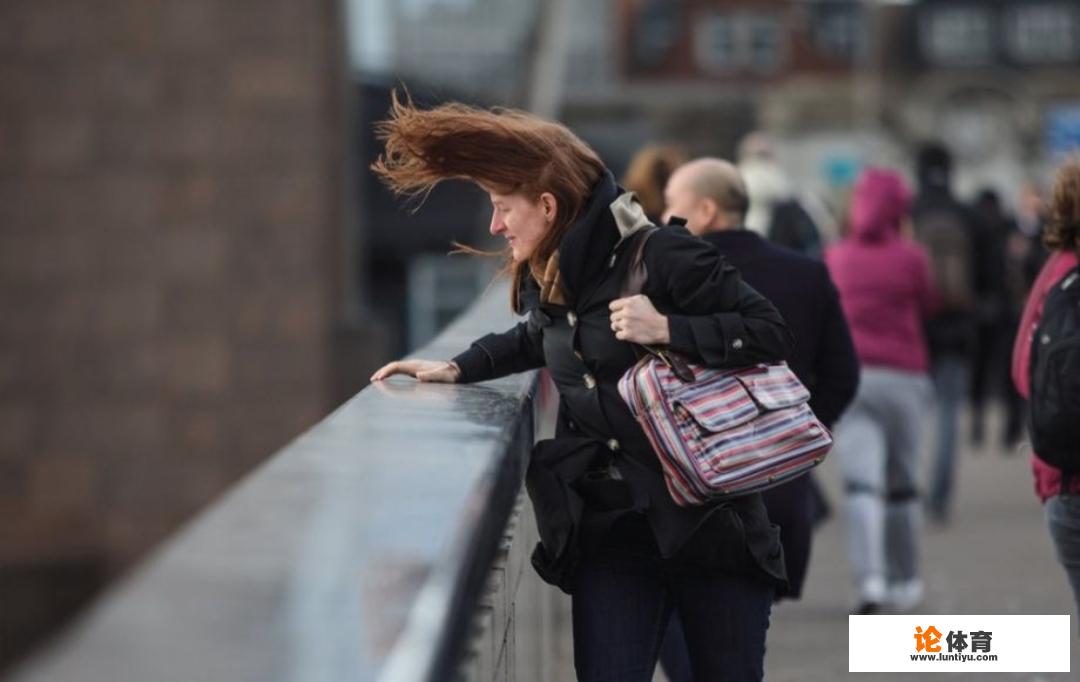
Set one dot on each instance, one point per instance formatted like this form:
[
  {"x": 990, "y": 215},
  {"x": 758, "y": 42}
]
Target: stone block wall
[{"x": 172, "y": 217}]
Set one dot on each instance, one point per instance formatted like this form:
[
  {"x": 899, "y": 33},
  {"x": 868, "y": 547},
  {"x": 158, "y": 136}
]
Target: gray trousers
[
  {"x": 1063, "y": 520},
  {"x": 877, "y": 442}
]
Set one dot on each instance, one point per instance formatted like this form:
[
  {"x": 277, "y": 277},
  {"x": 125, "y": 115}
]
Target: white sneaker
[
  {"x": 872, "y": 594},
  {"x": 906, "y": 595}
]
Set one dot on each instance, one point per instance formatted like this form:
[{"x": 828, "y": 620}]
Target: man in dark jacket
[
  {"x": 961, "y": 260},
  {"x": 710, "y": 195}
]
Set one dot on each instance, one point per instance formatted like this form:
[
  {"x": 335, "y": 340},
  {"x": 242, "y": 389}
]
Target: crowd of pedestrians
[{"x": 903, "y": 309}]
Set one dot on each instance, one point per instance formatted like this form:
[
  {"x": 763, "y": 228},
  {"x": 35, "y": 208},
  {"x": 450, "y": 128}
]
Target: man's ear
[
  {"x": 550, "y": 206},
  {"x": 709, "y": 211}
]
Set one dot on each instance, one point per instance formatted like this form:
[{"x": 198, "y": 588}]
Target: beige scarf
[{"x": 549, "y": 281}]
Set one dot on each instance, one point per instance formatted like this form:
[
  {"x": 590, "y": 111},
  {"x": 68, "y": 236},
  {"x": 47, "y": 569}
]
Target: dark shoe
[
  {"x": 938, "y": 519},
  {"x": 1011, "y": 438},
  {"x": 977, "y": 432},
  {"x": 867, "y": 608}
]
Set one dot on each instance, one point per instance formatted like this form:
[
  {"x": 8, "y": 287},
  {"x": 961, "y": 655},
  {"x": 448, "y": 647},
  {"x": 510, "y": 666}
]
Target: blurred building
[
  {"x": 175, "y": 257},
  {"x": 866, "y": 81},
  {"x": 838, "y": 82}
]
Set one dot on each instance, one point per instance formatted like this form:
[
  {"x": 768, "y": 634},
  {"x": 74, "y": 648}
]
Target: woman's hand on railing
[{"x": 436, "y": 371}]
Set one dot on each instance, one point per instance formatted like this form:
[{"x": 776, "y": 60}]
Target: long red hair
[{"x": 503, "y": 150}]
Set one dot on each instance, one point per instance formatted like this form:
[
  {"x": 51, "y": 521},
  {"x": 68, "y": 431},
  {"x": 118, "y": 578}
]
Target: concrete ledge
[{"x": 358, "y": 552}]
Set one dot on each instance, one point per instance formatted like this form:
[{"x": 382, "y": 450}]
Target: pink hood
[{"x": 878, "y": 205}]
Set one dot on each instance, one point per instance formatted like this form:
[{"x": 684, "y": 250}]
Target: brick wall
[{"x": 170, "y": 237}]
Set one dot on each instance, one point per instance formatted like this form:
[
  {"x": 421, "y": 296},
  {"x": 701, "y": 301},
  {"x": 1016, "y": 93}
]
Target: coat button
[
  {"x": 613, "y": 444},
  {"x": 737, "y": 344},
  {"x": 612, "y": 260},
  {"x": 571, "y": 317},
  {"x": 578, "y": 355},
  {"x": 590, "y": 381}
]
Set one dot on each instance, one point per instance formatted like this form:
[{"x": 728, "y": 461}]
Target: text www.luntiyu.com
[{"x": 954, "y": 657}]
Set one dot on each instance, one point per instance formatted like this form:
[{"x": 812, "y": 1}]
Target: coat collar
[
  {"x": 609, "y": 216},
  {"x": 740, "y": 239}
]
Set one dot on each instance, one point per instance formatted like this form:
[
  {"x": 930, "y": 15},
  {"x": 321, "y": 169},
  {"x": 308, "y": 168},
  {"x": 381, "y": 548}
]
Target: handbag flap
[
  {"x": 773, "y": 387},
  {"x": 717, "y": 403}
]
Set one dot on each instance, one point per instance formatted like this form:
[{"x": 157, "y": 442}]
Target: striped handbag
[
  {"x": 719, "y": 432},
  {"x": 726, "y": 432}
]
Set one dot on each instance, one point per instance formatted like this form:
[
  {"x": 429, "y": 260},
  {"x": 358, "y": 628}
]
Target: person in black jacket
[
  {"x": 710, "y": 195},
  {"x": 961, "y": 261},
  {"x": 611, "y": 535}
]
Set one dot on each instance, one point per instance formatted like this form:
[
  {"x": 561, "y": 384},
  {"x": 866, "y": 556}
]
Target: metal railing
[{"x": 361, "y": 551}]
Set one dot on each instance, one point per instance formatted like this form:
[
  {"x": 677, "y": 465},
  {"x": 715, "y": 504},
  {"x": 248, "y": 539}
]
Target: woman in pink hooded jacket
[{"x": 886, "y": 291}]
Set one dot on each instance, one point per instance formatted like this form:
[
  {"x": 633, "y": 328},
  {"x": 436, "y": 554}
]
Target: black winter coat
[
  {"x": 824, "y": 360},
  {"x": 600, "y": 470},
  {"x": 800, "y": 287}
]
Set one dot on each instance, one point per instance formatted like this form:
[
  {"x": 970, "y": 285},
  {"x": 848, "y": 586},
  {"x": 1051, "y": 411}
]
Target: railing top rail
[{"x": 351, "y": 554}]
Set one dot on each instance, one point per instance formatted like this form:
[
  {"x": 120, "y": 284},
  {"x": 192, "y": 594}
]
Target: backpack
[
  {"x": 944, "y": 233},
  {"x": 792, "y": 227},
  {"x": 1054, "y": 410}
]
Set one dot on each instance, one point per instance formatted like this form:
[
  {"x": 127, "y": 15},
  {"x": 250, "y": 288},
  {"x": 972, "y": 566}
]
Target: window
[
  {"x": 730, "y": 42},
  {"x": 655, "y": 34},
  {"x": 1042, "y": 33},
  {"x": 765, "y": 47},
  {"x": 716, "y": 44},
  {"x": 835, "y": 30},
  {"x": 961, "y": 35}
]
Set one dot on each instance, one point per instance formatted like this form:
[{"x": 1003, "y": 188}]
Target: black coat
[
  {"x": 824, "y": 360},
  {"x": 600, "y": 470}
]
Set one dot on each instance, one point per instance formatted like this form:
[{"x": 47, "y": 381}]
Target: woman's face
[{"x": 522, "y": 221}]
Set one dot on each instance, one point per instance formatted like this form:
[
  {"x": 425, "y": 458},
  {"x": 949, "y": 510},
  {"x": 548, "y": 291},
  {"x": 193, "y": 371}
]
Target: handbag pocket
[
  {"x": 774, "y": 387},
  {"x": 761, "y": 449},
  {"x": 717, "y": 405}
]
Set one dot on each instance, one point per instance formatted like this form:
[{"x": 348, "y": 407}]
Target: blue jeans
[
  {"x": 1063, "y": 520},
  {"x": 951, "y": 374},
  {"x": 623, "y": 599}
]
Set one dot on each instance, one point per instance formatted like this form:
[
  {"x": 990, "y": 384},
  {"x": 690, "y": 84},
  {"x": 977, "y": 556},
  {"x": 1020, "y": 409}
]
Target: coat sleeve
[
  {"x": 497, "y": 355},
  {"x": 714, "y": 316},
  {"x": 929, "y": 300},
  {"x": 836, "y": 365}
]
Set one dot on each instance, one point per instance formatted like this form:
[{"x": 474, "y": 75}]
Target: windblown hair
[
  {"x": 502, "y": 150},
  {"x": 1063, "y": 228},
  {"x": 648, "y": 173}
]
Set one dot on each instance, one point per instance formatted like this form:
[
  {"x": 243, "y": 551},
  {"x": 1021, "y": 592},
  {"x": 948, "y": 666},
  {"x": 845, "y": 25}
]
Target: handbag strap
[
  {"x": 637, "y": 274},
  {"x": 633, "y": 284}
]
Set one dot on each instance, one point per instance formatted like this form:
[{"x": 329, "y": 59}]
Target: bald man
[{"x": 711, "y": 196}]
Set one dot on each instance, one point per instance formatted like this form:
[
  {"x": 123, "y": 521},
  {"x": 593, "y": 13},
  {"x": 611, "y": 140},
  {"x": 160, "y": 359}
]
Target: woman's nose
[{"x": 497, "y": 226}]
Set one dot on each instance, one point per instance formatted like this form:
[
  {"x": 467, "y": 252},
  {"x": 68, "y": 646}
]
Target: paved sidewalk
[{"x": 995, "y": 558}]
